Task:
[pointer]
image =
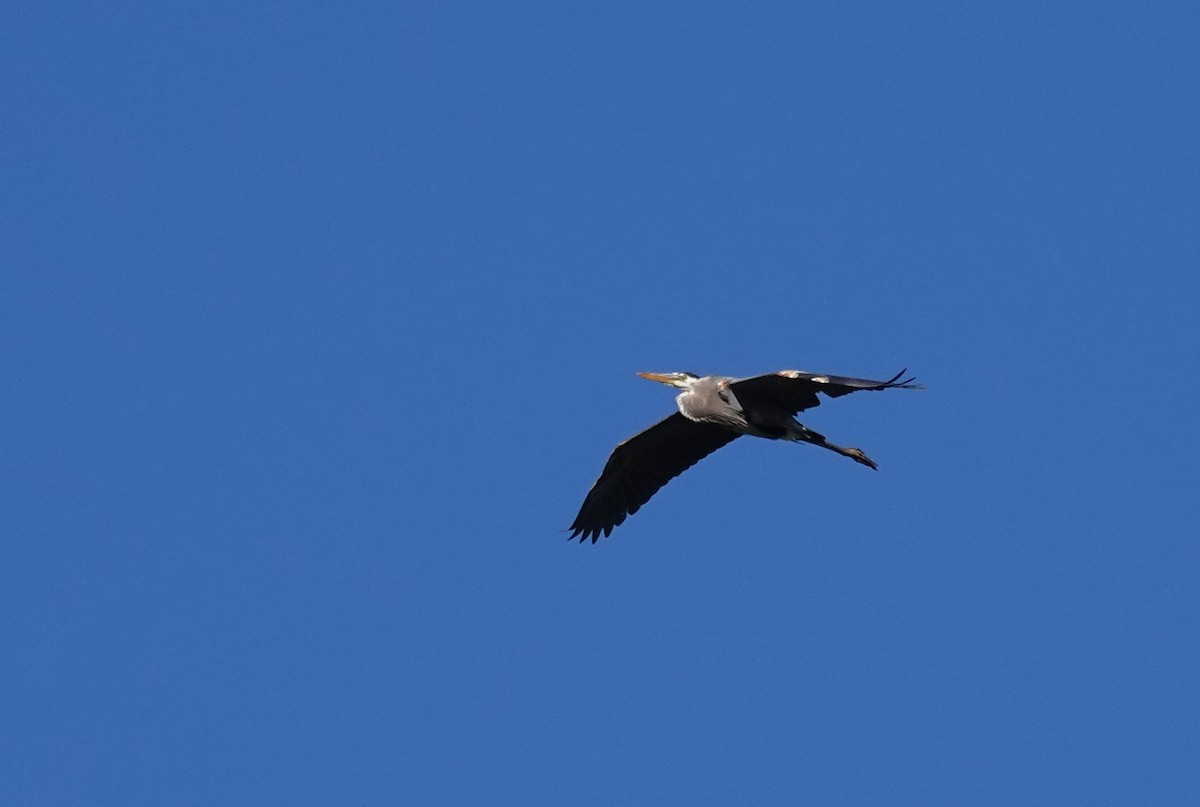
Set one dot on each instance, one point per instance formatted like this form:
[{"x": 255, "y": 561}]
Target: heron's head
[{"x": 680, "y": 380}]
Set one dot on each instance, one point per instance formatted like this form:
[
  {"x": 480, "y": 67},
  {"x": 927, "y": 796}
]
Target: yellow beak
[{"x": 659, "y": 377}]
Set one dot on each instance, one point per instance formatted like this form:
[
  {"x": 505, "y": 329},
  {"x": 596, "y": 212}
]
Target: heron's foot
[{"x": 857, "y": 455}]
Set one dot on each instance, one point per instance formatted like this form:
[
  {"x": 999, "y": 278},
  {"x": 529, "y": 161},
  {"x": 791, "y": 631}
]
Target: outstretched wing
[
  {"x": 798, "y": 390},
  {"x": 640, "y": 466}
]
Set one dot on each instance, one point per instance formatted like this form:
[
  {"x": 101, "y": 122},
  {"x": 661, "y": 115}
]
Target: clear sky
[{"x": 317, "y": 322}]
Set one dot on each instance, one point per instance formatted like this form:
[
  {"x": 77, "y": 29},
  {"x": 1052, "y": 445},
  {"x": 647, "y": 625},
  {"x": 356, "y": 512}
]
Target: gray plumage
[{"x": 713, "y": 411}]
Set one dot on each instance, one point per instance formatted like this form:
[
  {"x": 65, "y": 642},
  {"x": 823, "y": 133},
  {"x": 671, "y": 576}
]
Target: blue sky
[{"x": 319, "y": 321}]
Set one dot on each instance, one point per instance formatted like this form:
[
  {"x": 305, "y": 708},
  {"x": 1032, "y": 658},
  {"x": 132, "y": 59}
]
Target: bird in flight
[{"x": 713, "y": 411}]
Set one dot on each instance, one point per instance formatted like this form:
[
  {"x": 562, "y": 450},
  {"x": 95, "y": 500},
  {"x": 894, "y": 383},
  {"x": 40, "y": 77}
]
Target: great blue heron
[{"x": 713, "y": 410}]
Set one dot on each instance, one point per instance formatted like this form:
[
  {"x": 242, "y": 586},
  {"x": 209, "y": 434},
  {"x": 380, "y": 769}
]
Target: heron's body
[
  {"x": 713, "y": 411},
  {"x": 712, "y": 400}
]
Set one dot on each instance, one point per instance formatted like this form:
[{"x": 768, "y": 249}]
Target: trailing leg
[{"x": 803, "y": 434}]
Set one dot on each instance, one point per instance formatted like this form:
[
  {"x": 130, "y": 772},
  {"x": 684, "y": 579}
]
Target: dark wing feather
[
  {"x": 798, "y": 390},
  {"x": 640, "y": 466}
]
